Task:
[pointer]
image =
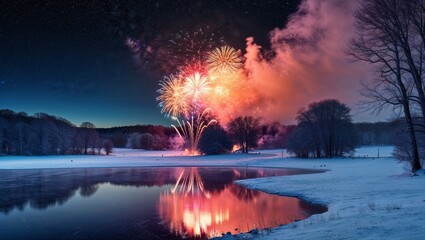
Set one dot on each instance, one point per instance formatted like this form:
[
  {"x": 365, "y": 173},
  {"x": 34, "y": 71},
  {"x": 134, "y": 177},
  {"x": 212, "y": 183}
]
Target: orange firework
[
  {"x": 223, "y": 60},
  {"x": 172, "y": 97},
  {"x": 196, "y": 86}
]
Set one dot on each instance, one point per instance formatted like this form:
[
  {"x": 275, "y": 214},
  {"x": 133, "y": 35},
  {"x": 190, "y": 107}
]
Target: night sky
[{"x": 69, "y": 58}]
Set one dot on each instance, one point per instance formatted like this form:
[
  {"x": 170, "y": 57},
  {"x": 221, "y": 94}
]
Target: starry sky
[{"x": 70, "y": 58}]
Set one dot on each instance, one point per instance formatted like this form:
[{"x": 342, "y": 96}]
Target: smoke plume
[{"x": 310, "y": 62}]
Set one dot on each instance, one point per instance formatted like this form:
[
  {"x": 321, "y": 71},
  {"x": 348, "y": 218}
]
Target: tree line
[
  {"x": 324, "y": 130},
  {"x": 43, "y": 134}
]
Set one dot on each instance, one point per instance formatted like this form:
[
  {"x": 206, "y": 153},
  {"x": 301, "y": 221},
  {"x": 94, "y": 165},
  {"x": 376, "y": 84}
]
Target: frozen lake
[{"x": 141, "y": 203}]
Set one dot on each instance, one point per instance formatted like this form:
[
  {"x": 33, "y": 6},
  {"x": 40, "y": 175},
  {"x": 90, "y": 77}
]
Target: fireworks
[
  {"x": 196, "y": 86},
  {"x": 199, "y": 86},
  {"x": 172, "y": 97},
  {"x": 221, "y": 91},
  {"x": 193, "y": 45},
  {"x": 224, "y": 60},
  {"x": 192, "y": 130}
]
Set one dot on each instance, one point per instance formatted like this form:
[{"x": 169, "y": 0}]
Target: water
[{"x": 140, "y": 203}]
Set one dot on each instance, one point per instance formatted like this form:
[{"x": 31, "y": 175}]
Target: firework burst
[
  {"x": 201, "y": 86},
  {"x": 195, "y": 66},
  {"x": 196, "y": 86},
  {"x": 172, "y": 98},
  {"x": 223, "y": 60}
]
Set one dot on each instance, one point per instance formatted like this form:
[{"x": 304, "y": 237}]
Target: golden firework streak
[{"x": 190, "y": 131}]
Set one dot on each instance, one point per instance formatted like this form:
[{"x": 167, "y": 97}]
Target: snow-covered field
[
  {"x": 134, "y": 158},
  {"x": 368, "y": 197}
]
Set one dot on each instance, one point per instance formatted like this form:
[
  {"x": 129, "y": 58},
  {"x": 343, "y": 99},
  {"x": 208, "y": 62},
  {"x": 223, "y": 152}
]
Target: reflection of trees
[
  {"x": 216, "y": 179},
  {"x": 243, "y": 193},
  {"x": 88, "y": 190},
  {"x": 44, "y": 188}
]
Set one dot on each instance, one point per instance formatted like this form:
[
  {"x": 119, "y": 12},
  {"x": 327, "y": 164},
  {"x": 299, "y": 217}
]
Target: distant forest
[{"x": 43, "y": 134}]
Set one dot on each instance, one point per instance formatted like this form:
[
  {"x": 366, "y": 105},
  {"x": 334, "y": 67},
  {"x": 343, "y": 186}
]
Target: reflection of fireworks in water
[
  {"x": 190, "y": 182},
  {"x": 224, "y": 60},
  {"x": 194, "y": 212},
  {"x": 172, "y": 97},
  {"x": 192, "y": 130},
  {"x": 196, "y": 218}
]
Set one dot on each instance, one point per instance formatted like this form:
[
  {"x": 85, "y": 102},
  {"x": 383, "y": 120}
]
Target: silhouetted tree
[
  {"x": 44, "y": 135},
  {"x": 134, "y": 141},
  {"x": 21, "y": 138},
  {"x": 107, "y": 146},
  {"x": 66, "y": 132},
  {"x": 88, "y": 136},
  {"x": 390, "y": 37},
  {"x": 146, "y": 141},
  {"x": 119, "y": 140},
  {"x": 245, "y": 131},
  {"x": 324, "y": 129},
  {"x": 215, "y": 140}
]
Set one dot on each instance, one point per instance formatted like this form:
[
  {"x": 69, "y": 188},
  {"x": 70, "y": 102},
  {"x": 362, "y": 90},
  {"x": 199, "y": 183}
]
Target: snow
[
  {"x": 132, "y": 158},
  {"x": 367, "y": 197}
]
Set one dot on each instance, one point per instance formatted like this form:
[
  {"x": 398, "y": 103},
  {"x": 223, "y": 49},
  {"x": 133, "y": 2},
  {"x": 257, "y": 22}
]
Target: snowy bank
[
  {"x": 135, "y": 158},
  {"x": 368, "y": 198}
]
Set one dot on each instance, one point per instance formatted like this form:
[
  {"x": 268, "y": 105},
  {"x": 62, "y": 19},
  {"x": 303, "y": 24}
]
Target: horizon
[{"x": 157, "y": 124}]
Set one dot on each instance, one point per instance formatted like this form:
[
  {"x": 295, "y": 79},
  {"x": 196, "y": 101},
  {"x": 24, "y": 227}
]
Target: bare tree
[
  {"x": 245, "y": 131},
  {"x": 44, "y": 135},
  {"x": 3, "y": 136},
  {"x": 119, "y": 140},
  {"x": 88, "y": 135},
  {"x": 382, "y": 31},
  {"x": 324, "y": 129},
  {"x": 146, "y": 141},
  {"x": 66, "y": 131},
  {"x": 21, "y": 138},
  {"x": 107, "y": 146},
  {"x": 134, "y": 141}
]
